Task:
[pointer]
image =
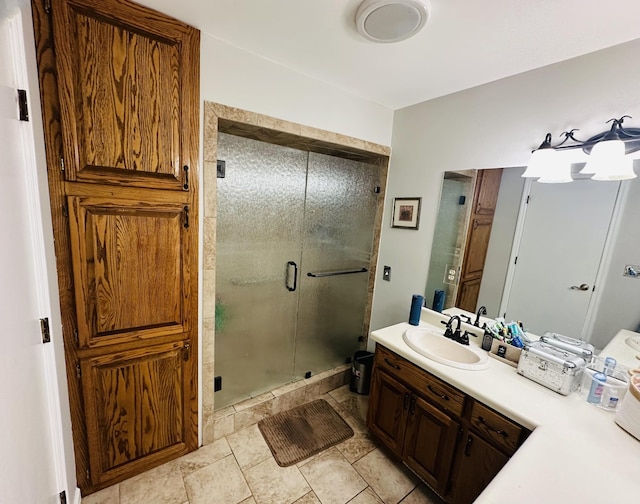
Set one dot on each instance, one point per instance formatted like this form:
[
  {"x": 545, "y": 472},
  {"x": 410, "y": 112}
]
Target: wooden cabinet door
[
  {"x": 130, "y": 269},
  {"x": 119, "y": 88},
  {"x": 135, "y": 407},
  {"x": 388, "y": 403},
  {"x": 430, "y": 443},
  {"x": 476, "y": 466},
  {"x": 125, "y": 78}
]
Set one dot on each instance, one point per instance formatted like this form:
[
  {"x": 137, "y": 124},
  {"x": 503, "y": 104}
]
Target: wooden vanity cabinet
[
  {"x": 454, "y": 443},
  {"x": 417, "y": 431}
]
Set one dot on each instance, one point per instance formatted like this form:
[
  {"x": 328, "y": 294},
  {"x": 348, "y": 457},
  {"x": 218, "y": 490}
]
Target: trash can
[{"x": 361, "y": 372}]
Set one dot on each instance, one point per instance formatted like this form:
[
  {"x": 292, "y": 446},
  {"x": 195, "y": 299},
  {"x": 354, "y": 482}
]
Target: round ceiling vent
[{"x": 391, "y": 20}]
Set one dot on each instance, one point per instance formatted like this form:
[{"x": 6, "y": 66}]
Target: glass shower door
[
  {"x": 340, "y": 214},
  {"x": 260, "y": 208}
]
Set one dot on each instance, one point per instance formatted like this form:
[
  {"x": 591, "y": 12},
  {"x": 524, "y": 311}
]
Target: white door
[
  {"x": 27, "y": 468},
  {"x": 562, "y": 242}
]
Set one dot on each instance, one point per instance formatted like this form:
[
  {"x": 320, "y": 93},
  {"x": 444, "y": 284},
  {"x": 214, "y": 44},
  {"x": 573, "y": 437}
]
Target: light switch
[
  {"x": 631, "y": 270},
  {"x": 386, "y": 273}
]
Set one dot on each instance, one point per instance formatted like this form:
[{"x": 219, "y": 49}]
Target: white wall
[
  {"x": 491, "y": 126},
  {"x": 241, "y": 79}
]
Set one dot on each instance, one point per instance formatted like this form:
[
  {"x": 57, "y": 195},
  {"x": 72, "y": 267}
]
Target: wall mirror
[{"x": 549, "y": 255}]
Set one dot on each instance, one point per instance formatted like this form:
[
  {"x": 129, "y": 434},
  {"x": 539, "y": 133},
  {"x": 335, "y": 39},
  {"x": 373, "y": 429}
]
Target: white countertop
[{"x": 576, "y": 453}]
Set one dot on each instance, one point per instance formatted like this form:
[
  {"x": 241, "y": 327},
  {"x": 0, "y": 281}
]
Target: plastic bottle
[{"x": 597, "y": 386}]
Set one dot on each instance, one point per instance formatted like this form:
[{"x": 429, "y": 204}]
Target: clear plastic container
[{"x": 613, "y": 389}]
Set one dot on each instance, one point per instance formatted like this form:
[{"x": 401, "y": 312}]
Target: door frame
[
  {"x": 40, "y": 232},
  {"x": 603, "y": 266}
]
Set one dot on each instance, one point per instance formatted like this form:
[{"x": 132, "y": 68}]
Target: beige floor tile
[
  {"x": 110, "y": 495},
  {"x": 161, "y": 485},
  {"x": 332, "y": 478},
  {"x": 356, "y": 447},
  {"x": 367, "y": 496},
  {"x": 271, "y": 484},
  {"x": 310, "y": 498},
  {"x": 204, "y": 456},
  {"x": 250, "y": 500},
  {"x": 341, "y": 394},
  {"x": 219, "y": 483},
  {"x": 422, "y": 495},
  {"x": 390, "y": 481},
  {"x": 249, "y": 447}
]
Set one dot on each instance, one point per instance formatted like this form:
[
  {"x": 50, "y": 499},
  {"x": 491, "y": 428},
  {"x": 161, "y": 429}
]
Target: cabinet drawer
[
  {"x": 495, "y": 427},
  {"x": 424, "y": 383}
]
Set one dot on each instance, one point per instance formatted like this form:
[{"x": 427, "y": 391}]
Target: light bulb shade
[
  {"x": 603, "y": 155},
  {"x": 542, "y": 163},
  {"x": 561, "y": 174},
  {"x": 619, "y": 169}
]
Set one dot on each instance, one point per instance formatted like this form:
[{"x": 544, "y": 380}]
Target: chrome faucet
[{"x": 481, "y": 311}]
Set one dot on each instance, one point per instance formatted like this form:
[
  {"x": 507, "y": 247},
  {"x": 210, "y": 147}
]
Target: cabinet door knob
[{"x": 467, "y": 446}]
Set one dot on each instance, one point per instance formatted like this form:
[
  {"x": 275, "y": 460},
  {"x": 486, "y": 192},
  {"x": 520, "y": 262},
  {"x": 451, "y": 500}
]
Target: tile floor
[{"x": 239, "y": 469}]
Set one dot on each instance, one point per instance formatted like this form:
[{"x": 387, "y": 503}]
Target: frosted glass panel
[
  {"x": 260, "y": 206},
  {"x": 340, "y": 213},
  {"x": 448, "y": 239}
]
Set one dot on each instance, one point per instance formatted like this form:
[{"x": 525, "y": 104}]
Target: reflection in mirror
[
  {"x": 605, "y": 314},
  {"x": 449, "y": 239}
]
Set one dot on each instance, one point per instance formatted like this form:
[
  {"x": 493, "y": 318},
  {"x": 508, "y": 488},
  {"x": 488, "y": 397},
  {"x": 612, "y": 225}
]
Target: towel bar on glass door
[{"x": 335, "y": 273}]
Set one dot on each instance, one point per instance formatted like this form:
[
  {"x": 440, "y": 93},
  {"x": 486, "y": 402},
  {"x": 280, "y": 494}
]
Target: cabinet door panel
[
  {"x": 128, "y": 261},
  {"x": 387, "y": 410},
  {"x": 430, "y": 443},
  {"x": 477, "y": 465},
  {"x": 135, "y": 406},
  {"x": 121, "y": 106}
]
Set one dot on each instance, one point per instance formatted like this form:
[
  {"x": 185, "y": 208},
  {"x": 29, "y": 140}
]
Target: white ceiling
[{"x": 465, "y": 42}]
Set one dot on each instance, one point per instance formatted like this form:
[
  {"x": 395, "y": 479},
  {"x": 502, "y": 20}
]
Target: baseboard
[{"x": 77, "y": 497}]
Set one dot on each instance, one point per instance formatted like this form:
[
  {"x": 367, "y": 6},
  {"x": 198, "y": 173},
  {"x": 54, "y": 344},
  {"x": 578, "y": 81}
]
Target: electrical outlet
[{"x": 386, "y": 273}]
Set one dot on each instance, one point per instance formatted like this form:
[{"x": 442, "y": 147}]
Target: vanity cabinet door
[
  {"x": 388, "y": 406},
  {"x": 477, "y": 464},
  {"x": 430, "y": 443}
]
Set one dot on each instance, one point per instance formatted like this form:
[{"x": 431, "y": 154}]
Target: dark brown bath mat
[{"x": 298, "y": 433}]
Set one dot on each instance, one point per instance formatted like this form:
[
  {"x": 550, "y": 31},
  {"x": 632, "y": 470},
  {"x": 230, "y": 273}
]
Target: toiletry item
[
  {"x": 597, "y": 386},
  {"x": 438, "y": 301},
  {"x": 487, "y": 339},
  {"x": 417, "y": 302},
  {"x": 609, "y": 365}
]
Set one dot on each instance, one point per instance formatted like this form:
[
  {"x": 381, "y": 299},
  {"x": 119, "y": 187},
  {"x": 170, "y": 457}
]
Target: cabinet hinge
[
  {"x": 516, "y": 260},
  {"x": 23, "y": 107},
  {"x": 61, "y": 164},
  {"x": 65, "y": 210},
  {"x": 44, "y": 330},
  {"x": 47, "y": 6},
  {"x": 528, "y": 199},
  {"x": 187, "y": 351},
  {"x": 78, "y": 373},
  {"x": 88, "y": 475},
  {"x": 76, "y": 339},
  {"x": 63, "y": 497}
]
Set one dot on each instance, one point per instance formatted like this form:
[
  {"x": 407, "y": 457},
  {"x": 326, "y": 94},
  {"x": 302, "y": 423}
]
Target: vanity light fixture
[
  {"x": 609, "y": 155},
  {"x": 391, "y": 20}
]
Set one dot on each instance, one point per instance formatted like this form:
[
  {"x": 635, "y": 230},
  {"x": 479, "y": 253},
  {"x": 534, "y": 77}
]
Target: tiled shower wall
[{"x": 223, "y": 422}]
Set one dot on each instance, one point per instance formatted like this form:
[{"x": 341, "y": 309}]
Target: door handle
[
  {"x": 581, "y": 287},
  {"x": 295, "y": 276}
]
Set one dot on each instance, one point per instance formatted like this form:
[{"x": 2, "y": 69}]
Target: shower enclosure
[
  {"x": 449, "y": 236},
  {"x": 293, "y": 249}
]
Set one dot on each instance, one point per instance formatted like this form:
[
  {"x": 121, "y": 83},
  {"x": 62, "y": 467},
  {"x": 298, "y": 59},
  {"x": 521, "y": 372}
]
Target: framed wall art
[{"x": 406, "y": 213}]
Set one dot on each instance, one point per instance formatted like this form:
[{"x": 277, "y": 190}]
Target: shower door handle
[{"x": 295, "y": 276}]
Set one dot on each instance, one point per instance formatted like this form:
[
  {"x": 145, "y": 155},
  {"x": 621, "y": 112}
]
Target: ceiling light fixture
[
  {"x": 609, "y": 155},
  {"x": 391, "y": 20}
]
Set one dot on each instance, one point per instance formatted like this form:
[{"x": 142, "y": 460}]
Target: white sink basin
[
  {"x": 634, "y": 342},
  {"x": 432, "y": 344}
]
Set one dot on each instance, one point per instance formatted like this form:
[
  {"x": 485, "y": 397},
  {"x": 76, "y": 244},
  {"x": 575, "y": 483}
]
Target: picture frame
[{"x": 406, "y": 213}]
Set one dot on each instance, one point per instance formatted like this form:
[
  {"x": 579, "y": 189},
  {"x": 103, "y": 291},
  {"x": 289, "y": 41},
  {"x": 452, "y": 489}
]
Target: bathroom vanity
[{"x": 494, "y": 435}]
